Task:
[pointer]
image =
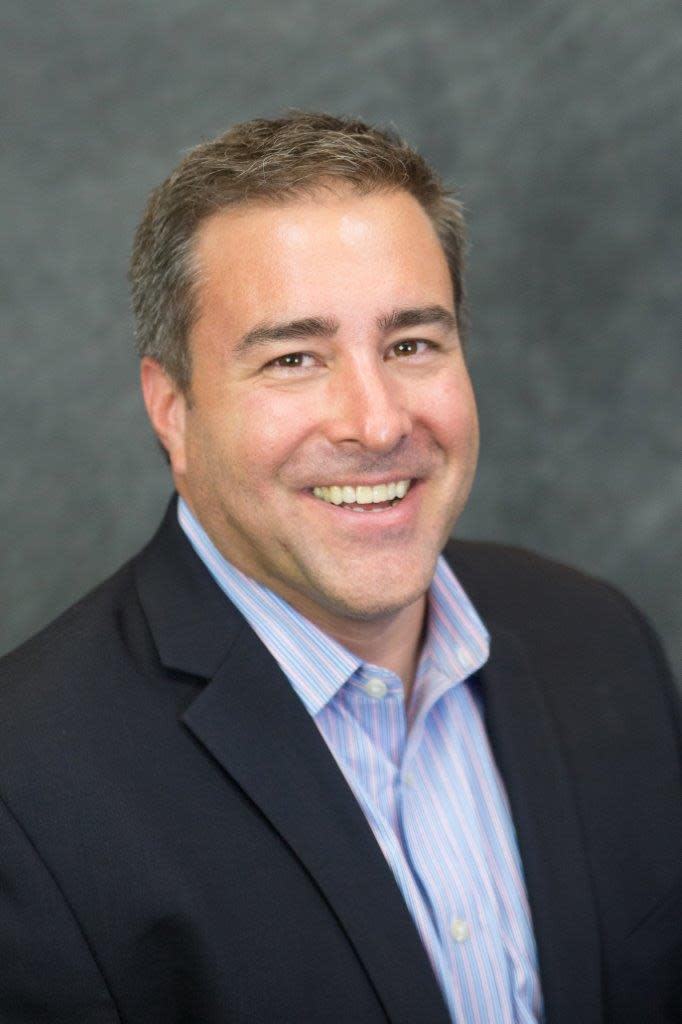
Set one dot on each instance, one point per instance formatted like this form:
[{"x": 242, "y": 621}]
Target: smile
[{"x": 378, "y": 494}]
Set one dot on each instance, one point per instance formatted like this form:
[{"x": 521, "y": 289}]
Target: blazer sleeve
[{"x": 47, "y": 972}]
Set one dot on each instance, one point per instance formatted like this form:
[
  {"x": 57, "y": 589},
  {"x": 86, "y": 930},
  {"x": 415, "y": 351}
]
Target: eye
[
  {"x": 411, "y": 347},
  {"x": 290, "y": 361}
]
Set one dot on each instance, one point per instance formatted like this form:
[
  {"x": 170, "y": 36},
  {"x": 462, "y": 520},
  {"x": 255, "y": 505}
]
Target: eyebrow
[
  {"x": 267, "y": 332},
  {"x": 418, "y": 316},
  {"x": 323, "y": 327}
]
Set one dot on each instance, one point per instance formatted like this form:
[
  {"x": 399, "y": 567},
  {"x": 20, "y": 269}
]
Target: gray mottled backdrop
[{"x": 560, "y": 122}]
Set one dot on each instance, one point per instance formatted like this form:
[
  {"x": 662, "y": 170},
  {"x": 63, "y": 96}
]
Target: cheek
[
  {"x": 267, "y": 429},
  {"x": 452, "y": 416}
]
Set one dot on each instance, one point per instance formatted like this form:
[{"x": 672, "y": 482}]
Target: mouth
[{"x": 364, "y": 497}]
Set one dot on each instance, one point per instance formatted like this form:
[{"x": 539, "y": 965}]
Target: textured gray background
[{"x": 559, "y": 121}]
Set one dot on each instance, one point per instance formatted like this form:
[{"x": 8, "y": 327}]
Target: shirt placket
[{"x": 438, "y": 835}]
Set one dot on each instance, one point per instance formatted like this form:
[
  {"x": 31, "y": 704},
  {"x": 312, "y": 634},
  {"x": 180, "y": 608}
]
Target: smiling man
[
  {"x": 304, "y": 758},
  {"x": 328, "y": 438}
]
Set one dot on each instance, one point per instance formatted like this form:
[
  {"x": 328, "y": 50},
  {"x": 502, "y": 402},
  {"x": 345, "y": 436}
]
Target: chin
[{"x": 372, "y": 602}]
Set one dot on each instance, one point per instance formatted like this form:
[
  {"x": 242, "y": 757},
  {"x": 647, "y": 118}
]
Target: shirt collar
[{"x": 317, "y": 666}]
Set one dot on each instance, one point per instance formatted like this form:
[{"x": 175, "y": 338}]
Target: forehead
[
  {"x": 340, "y": 255},
  {"x": 341, "y": 223}
]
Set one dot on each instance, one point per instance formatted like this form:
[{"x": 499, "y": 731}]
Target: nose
[{"x": 367, "y": 407}]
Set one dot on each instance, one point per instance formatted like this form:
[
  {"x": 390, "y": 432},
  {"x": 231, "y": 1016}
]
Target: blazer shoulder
[
  {"x": 508, "y": 562},
  {"x": 82, "y": 623},
  {"x": 58, "y": 665},
  {"x": 562, "y": 613},
  {"x": 520, "y": 581}
]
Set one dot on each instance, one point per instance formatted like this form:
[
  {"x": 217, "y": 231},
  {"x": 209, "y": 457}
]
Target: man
[{"x": 289, "y": 764}]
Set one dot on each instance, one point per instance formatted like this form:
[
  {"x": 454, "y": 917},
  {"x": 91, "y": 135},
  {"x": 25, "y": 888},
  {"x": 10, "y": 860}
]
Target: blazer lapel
[
  {"x": 529, "y": 755},
  {"x": 250, "y": 720}
]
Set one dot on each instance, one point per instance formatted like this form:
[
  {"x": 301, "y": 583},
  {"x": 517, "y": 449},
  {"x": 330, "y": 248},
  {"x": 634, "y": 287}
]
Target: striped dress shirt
[{"x": 425, "y": 778}]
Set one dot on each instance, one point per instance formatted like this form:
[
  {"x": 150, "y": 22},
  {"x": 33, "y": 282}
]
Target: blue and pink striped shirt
[{"x": 426, "y": 780}]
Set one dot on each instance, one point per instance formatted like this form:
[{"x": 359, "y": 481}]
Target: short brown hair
[{"x": 266, "y": 160}]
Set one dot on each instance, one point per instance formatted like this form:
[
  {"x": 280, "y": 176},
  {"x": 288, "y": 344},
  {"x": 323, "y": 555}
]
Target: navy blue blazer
[{"x": 178, "y": 846}]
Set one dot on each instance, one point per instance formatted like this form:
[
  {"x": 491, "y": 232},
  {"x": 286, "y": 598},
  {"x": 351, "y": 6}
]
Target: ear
[{"x": 167, "y": 409}]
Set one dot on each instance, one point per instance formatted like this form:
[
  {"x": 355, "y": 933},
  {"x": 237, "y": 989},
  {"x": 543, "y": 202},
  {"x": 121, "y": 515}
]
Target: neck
[{"x": 393, "y": 643}]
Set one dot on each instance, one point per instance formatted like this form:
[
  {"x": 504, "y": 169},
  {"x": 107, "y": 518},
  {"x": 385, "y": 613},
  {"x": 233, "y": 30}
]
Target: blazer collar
[
  {"x": 257, "y": 730},
  {"x": 528, "y": 752},
  {"x": 191, "y": 620}
]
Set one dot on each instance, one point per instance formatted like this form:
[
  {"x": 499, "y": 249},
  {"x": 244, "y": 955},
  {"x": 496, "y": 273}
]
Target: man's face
[{"x": 342, "y": 387}]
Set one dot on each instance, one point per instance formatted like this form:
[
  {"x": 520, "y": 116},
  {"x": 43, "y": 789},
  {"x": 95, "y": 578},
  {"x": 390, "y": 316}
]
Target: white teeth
[{"x": 363, "y": 495}]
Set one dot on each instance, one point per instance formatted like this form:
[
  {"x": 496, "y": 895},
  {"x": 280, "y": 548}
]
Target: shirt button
[
  {"x": 376, "y": 688},
  {"x": 459, "y": 929},
  {"x": 408, "y": 779}
]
